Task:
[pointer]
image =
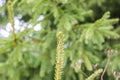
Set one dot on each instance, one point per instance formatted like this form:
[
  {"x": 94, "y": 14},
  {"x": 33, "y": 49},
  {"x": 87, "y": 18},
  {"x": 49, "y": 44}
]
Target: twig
[
  {"x": 106, "y": 66},
  {"x": 108, "y": 61}
]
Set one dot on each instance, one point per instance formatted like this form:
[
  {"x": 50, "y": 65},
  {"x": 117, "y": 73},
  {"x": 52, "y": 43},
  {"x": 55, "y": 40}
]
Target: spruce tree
[{"x": 91, "y": 40}]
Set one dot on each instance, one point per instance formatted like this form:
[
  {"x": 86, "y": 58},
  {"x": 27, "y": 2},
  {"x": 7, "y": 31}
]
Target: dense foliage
[{"x": 91, "y": 39}]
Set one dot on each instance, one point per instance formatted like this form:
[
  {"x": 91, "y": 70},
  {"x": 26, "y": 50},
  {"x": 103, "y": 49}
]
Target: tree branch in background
[
  {"x": 11, "y": 17},
  {"x": 95, "y": 74}
]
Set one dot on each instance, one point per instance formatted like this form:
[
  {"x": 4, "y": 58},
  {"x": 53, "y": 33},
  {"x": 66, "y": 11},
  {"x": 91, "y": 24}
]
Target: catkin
[
  {"x": 59, "y": 64},
  {"x": 11, "y": 17}
]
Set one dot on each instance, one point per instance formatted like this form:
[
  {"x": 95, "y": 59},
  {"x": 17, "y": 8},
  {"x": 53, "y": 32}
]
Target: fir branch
[
  {"x": 95, "y": 74},
  {"x": 59, "y": 57},
  {"x": 11, "y": 17}
]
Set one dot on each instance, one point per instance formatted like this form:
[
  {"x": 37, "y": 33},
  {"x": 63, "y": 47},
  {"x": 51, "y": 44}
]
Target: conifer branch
[
  {"x": 11, "y": 18},
  {"x": 95, "y": 74},
  {"x": 59, "y": 57}
]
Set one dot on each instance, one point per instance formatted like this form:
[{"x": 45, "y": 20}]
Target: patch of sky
[
  {"x": 19, "y": 25},
  {"x": 2, "y": 2}
]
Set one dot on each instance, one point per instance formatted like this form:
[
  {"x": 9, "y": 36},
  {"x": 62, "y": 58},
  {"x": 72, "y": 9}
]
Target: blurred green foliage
[{"x": 89, "y": 34}]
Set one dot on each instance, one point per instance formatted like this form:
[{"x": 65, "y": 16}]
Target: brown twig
[
  {"x": 109, "y": 53},
  {"x": 106, "y": 66}
]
